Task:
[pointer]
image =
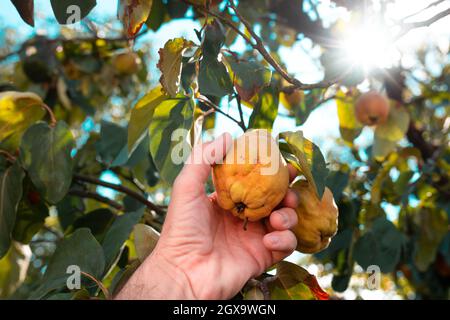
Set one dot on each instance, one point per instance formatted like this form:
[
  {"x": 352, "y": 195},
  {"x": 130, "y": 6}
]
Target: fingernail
[{"x": 274, "y": 240}]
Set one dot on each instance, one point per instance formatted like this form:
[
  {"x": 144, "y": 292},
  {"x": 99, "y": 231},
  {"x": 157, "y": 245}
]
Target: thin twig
[
  {"x": 99, "y": 284},
  {"x": 419, "y": 24},
  {"x": 210, "y": 104},
  {"x": 51, "y": 114},
  {"x": 119, "y": 188},
  {"x": 95, "y": 196},
  {"x": 8, "y": 156},
  {"x": 422, "y": 10},
  {"x": 241, "y": 114}
]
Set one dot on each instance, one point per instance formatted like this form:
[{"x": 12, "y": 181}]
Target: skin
[{"x": 203, "y": 251}]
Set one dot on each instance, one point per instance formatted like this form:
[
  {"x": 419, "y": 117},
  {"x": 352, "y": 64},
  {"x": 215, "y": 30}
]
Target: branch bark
[{"x": 95, "y": 196}]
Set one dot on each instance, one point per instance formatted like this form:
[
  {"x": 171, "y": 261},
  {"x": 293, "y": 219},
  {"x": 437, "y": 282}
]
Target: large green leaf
[
  {"x": 97, "y": 221},
  {"x": 381, "y": 245},
  {"x": 141, "y": 116},
  {"x": 166, "y": 152},
  {"x": 17, "y": 112},
  {"x": 213, "y": 78},
  {"x": 66, "y": 11},
  {"x": 45, "y": 153},
  {"x": 170, "y": 62},
  {"x": 80, "y": 249},
  {"x": 158, "y": 14},
  {"x": 145, "y": 239},
  {"x": 307, "y": 158},
  {"x": 10, "y": 194},
  {"x": 249, "y": 77},
  {"x": 265, "y": 110},
  {"x": 118, "y": 234}
]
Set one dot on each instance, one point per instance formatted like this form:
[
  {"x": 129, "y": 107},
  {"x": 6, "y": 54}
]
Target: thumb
[{"x": 197, "y": 168}]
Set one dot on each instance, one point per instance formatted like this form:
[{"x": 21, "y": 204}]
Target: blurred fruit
[
  {"x": 127, "y": 63},
  {"x": 253, "y": 178},
  {"x": 372, "y": 108}
]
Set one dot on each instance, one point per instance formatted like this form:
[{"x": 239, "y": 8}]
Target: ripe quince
[
  {"x": 127, "y": 63},
  {"x": 253, "y": 178},
  {"x": 372, "y": 108},
  {"x": 317, "y": 219}
]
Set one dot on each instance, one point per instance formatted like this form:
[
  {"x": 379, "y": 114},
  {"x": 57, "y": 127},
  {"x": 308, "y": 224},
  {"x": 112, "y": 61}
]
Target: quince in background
[
  {"x": 127, "y": 63},
  {"x": 317, "y": 219},
  {"x": 253, "y": 178},
  {"x": 372, "y": 108}
]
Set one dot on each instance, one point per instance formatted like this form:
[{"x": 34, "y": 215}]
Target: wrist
[{"x": 157, "y": 279}]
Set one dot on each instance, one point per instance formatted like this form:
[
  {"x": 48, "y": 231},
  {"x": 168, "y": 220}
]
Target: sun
[{"x": 369, "y": 47}]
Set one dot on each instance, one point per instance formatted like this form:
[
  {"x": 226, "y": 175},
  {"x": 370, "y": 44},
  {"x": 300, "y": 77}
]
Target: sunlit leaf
[
  {"x": 349, "y": 126},
  {"x": 381, "y": 148},
  {"x": 145, "y": 239},
  {"x": 13, "y": 268},
  {"x": 133, "y": 14},
  {"x": 141, "y": 116},
  {"x": 169, "y": 146},
  {"x": 394, "y": 129},
  {"x": 265, "y": 109},
  {"x": 170, "y": 62},
  {"x": 308, "y": 159},
  {"x": 17, "y": 112},
  {"x": 10, "y": 194},
  {"x": 45, "y": 153}
]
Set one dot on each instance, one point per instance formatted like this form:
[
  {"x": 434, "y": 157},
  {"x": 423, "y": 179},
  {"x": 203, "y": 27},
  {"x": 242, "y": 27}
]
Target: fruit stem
[{"x": 245, "y": 224}]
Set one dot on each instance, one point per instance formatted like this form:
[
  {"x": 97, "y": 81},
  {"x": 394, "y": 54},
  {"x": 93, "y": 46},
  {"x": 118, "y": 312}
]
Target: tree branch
[
  {"x": 406, "y": 27},
  {"x": 95, "y": 196},
  {"x": 210, "y": 104},
  {"x": 119, "y": 188}
]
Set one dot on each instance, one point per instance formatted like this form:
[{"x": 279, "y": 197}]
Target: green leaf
[
  {"x": 158, "y": 14},
  {"x": 17, "y": 112},
  {"x": 170, "y": 62},
  {"x": 249, "y": 77},
  {"x": 13, "y": 268},
  {"x": 10, "y": 194},
  {"x": 308, "y": 159},
  {"x": 45, "y": 155},
  {"x": 214, "y": 39},
  {"x": 69, "y": 209},
  {"x": 31, "y": 215},
  {"x": 145, "y": 239},
  {"x": 72, "y": 11},
  {"x": 433, "y": 226},
  {"x": 80, "y": 249},
  {"x": 380, "y": 245},
  {"x": 381, "y": 148},
  {"x": 394, "y": 129},
  {"x": 141, "y": 116},
  {"x": 110, "y": 146},
  {"x": 349, "y": 126},
  {"x": 213, "y": 78},
  {"x": 26, "y": 10},
  {"x": 118, "y": 234},
  {"x": 167, "y": 153},
  {"x": 337, "y": 181},
  {"x": 133, "y": 15},
  {"x": 265, "y": 110},
  {"x": 97, "y": 221}
]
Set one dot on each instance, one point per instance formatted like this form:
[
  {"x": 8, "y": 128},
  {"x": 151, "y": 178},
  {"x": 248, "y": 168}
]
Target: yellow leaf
[
  {"x": 133, "y": 14},
  {"x": 18, "y": 110},
  {"x": 394, "y": 129}
]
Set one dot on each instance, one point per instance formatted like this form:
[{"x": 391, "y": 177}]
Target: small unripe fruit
[
  {"x": 127, "y": 63},
  {"x": 372, "y": 108}
]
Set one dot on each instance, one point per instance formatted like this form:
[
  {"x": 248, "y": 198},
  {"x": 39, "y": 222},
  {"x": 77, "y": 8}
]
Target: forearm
[{"x": 156, "y": 279}]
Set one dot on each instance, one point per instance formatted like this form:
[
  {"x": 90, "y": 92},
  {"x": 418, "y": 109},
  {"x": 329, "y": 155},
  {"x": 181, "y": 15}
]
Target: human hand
[{"x": 204, "y": 251}]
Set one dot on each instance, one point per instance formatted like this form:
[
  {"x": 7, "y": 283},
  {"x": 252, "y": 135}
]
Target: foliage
[{"x": 69, "y": 118}]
